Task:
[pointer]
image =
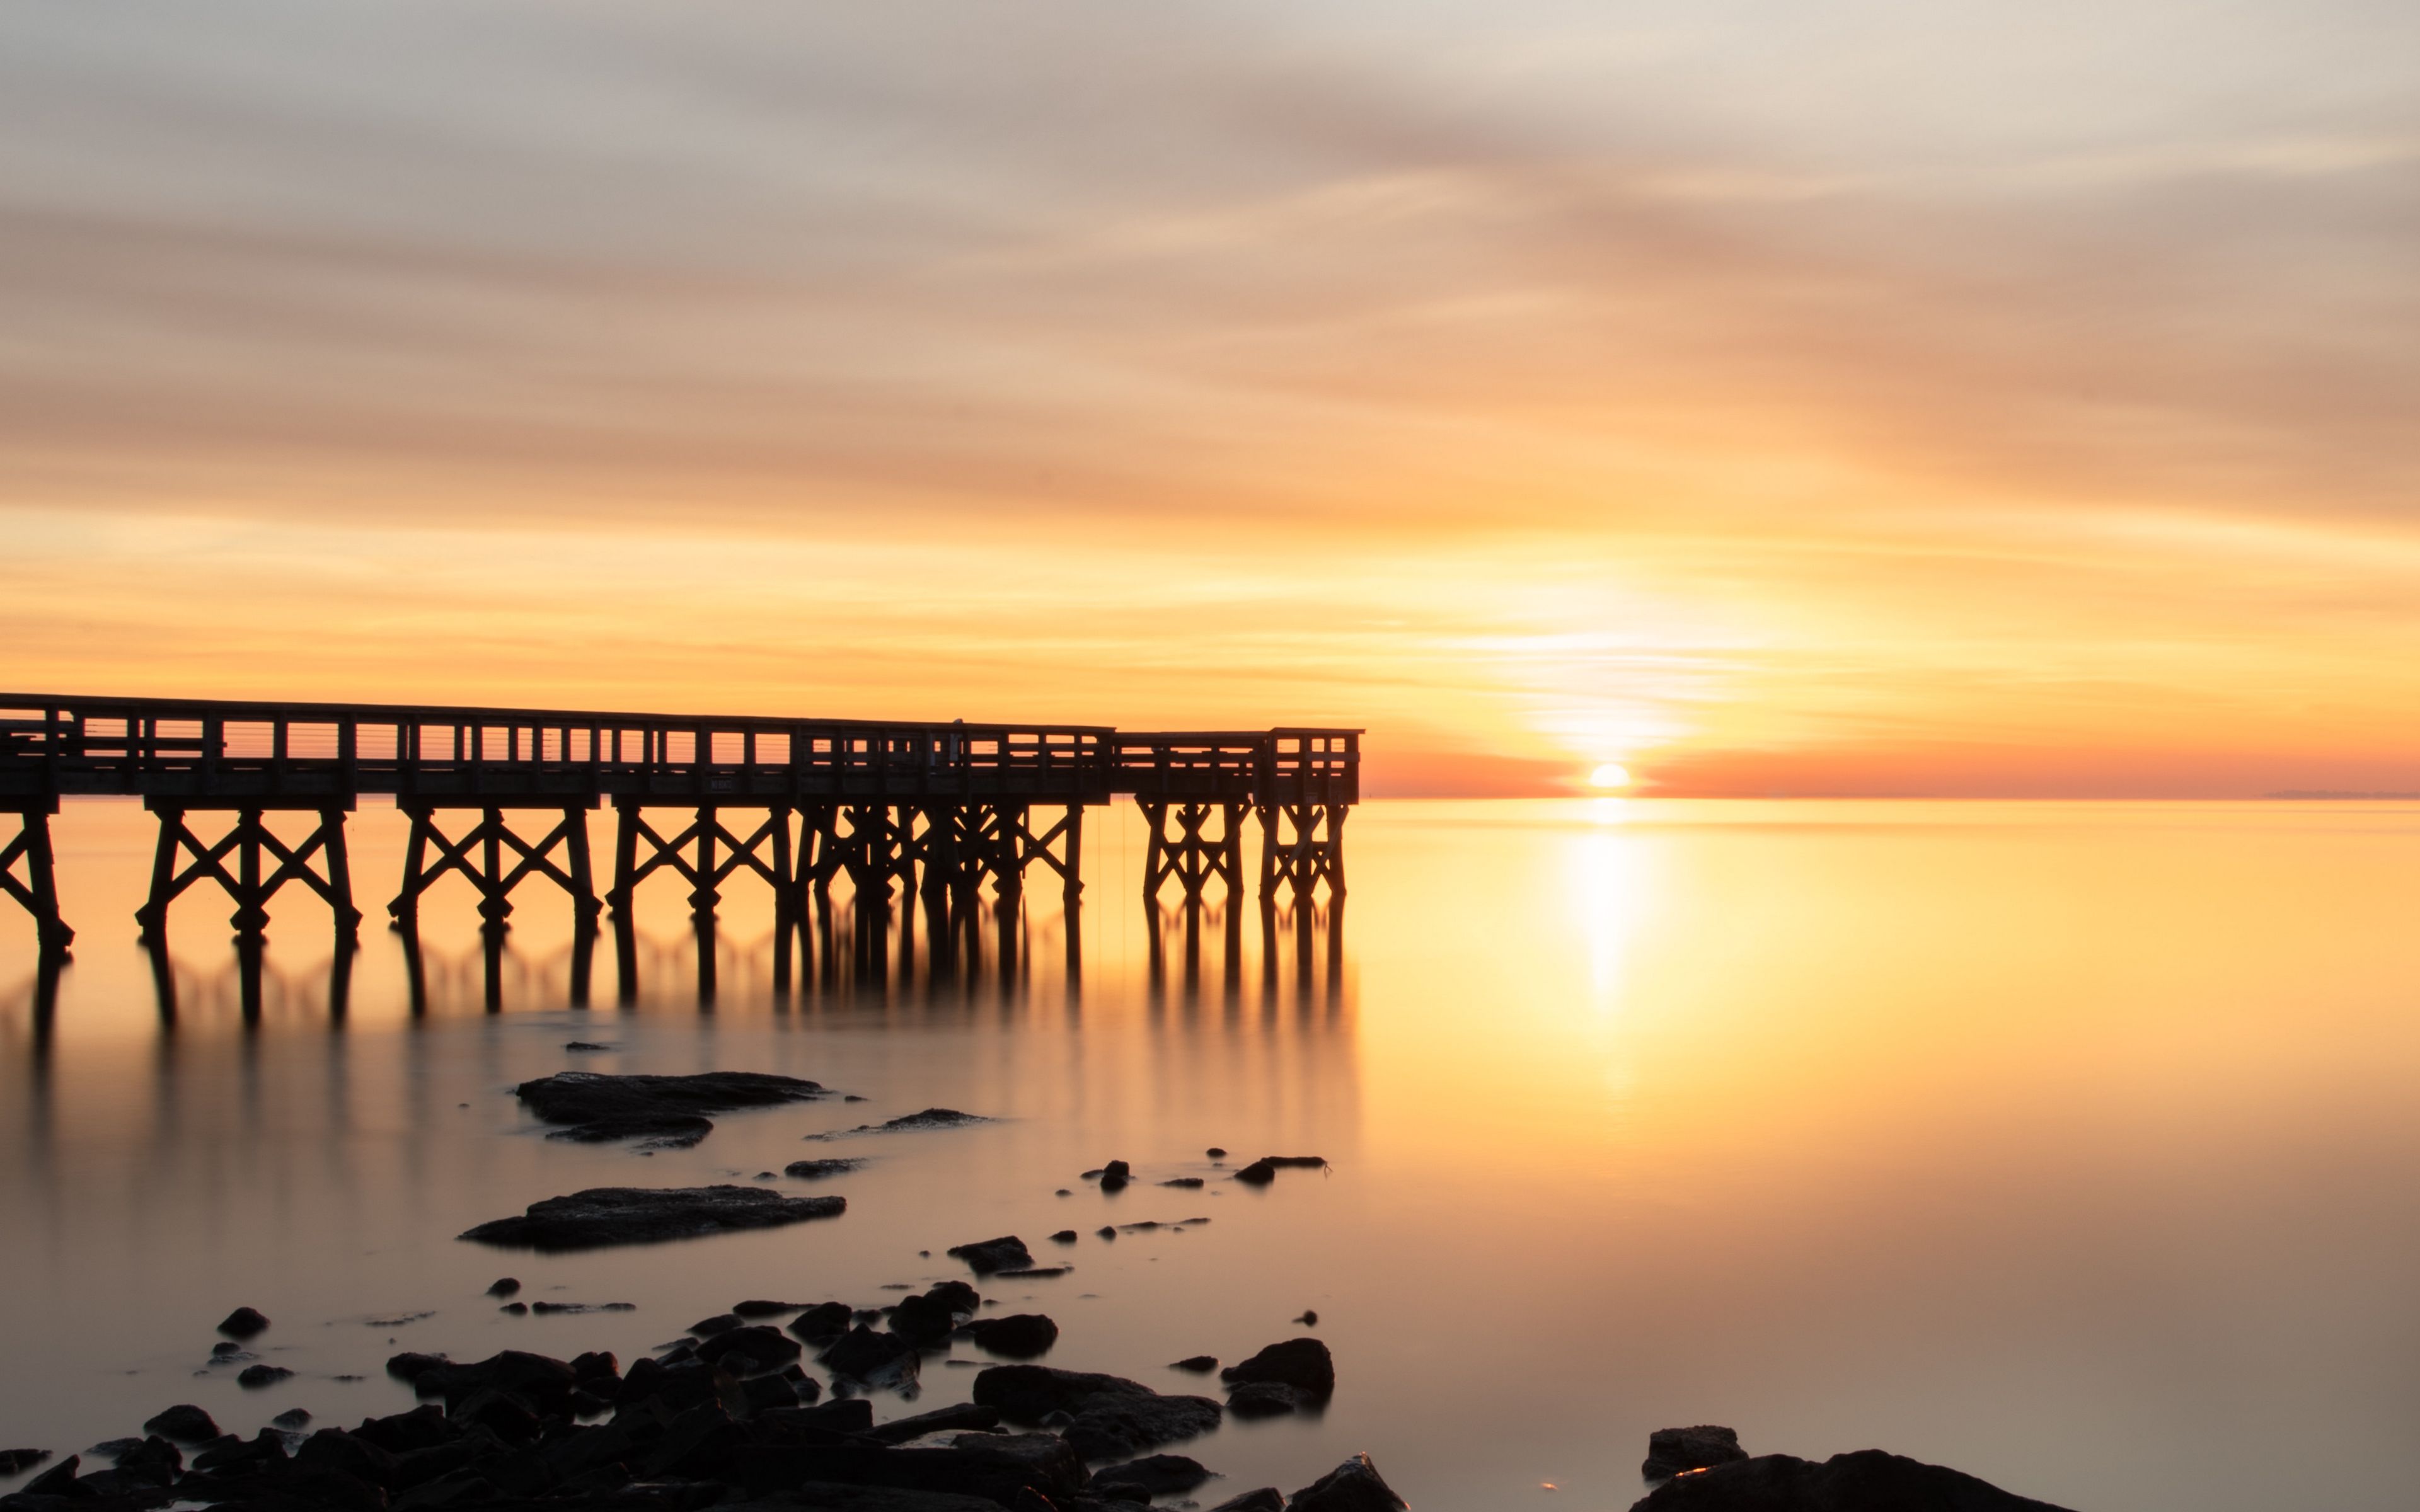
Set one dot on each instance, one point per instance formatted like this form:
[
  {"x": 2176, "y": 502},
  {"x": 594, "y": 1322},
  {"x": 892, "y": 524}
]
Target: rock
[
  {"x": 410, "y": 1366},
  {"x": 907, "y": 1123},
  {"x": 1867, "y": 1480},
  {"x": 923, "y": 1321},
  {"x": 667, "y": 1111},
  {"x": 519, "y": 1309},
  {"x": 1182, "y": 1180},
  {"x": 1064, "y": 1193},
  {"x": 769, "y": 1346},
  {"x": 549, "y": 1309},
  {"x": 966, "y": 1417},
  {"x": 1265, "y": 1170},
  {"x": 256, "y": 1375},
  {"x": 766, "y": 1309},
  {"x": 1111, "y": 1427},
  {"x": 1214, "y": 1152},
  {"x": 718, "y": 1323},
  {"x": 1308, "y": 1319},
  {"x": 1106, "y": 1231},
  {"x": 293, "y": 1418},
  {"x": 185, "y": 1422},
  {"x": 826, "y": 1320},
  {"x": 13, "y": 1461},
  {"x": 586, "y": 1045},
  {"x": 1036, "y": 1273},
  {"x": 1115, "y": 1175},
  {"x": 1265, "y": 1399},
  {"x": 1064, "y": 1236},
  {"x": 1018, "y": 1335},
  {"x": 1354, "y": 1486},
  {"x": 1266, "y": 1499},
  {"x": 810, "y": 1170},
  {"x": 1029, "y": 1393},
  {"x": 243, "y": 1324},
  {"x": 875, "y": 1359},
  {"x": 957, "y": 1296},
  {"x": 59, "y": 1480},
  {"x": 1303, "y": 1364},
  {"x": 644, "y": 1215},
  {"x": 227, "y": 1349},
  {"x": 503, "y": 1285},
  {"x": 1006, "y": 1252},
  {"x": 1670, "y": 1451},
  {"x": 1198, "y": 1364},
  {"x": 1155, "y": 1474}
]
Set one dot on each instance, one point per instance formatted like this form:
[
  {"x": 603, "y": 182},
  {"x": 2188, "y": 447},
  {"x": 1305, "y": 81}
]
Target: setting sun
[{"x": 1610, "y": 775}]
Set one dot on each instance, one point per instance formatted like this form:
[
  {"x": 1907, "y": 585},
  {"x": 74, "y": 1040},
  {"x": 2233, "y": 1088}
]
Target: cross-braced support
[
  {"x": 480, "y": 857},
  {"x": 1179, "y": 848},
  {"x": 1315, "y": 850},
  {"x": 38, "y": 889},
  {"x": 720, "y": 851},
  {"x": 873, "y": 845},
  {"x": 250, "y": 844}
]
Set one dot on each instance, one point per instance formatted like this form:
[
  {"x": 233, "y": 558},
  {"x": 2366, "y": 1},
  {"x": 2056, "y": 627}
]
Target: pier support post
[
  {"x": 38, "y": 891},
  {"x": 1315, "y": 850},
  {"x": 1180, "y": 849},
  {"x": 479, "y": 858},
  {"x": 249, "y": 842},
  {"x": 718, "y": 853}
]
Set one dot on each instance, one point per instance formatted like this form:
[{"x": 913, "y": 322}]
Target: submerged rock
[
  {"x": 1109, "y": 1426},
  {"x": 293, "y": 1418},
  {"x": 910, "y": 1122},
  {"x": 1115, "y": 1175},
  {"x": 644, "y": 1215},
  {"x": 1867, "y": 1480},
  {"x": 872, "y": 1358},
  {"x": 1198, "y": 1364},
  {"x": 1670, "y": 1451},
  {"x": 243, "y": 1324},
  {"x": 1036, "y": 1273},
  {"x": 503, "y": 1285},
  {"x": 825, "y": 1320},
  {"x": 185, "y": 1422},
  {"x": 1354, "y": 1486},
  {"x": 813, "y": 1170},
  {"x": 14, "y": 1461},
  {"x": 1006, "y": 1252},
  {"x": 758, "y": 1307},
  {"x": 1152, "y": 1474},
  {"x": 1182, "y": 1180},
  {"x": 1303, "y": 1364},
  {"x": 718, "y": 1323},
  {"x": 256, "y": 1376},
  {"x": 1265, "y": 1170},
  {"x": 1265, "y": 1499},
  {"x": 1268, "y": 1398},
  {"x": 667, "y": 1111},
  {"x": 1018, "y": 1335}
]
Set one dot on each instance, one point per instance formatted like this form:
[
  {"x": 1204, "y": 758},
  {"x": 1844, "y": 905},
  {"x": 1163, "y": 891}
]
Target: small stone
[
  {"x": 243, "y": 1324},
  {"x": 293, "y": 1418},
  {"x": 225, "y": 1349},
  {"x": 1198, "y": 1364},
  {"x": 1107, "y": 1231},
  {"x": 1182, "y": 1180},
  {"x": 1308, "y": 1319},
  {"x": 1064, "y": 1236},
  {"x": 185, "y": 1422},
  {"x": 1214, "y": 1152},
  {"x": 1670, "y": 1451},
  {"x": 503, "y": 1285},
  {"x": 1016, "y": 1336},
  {"x": 256, "y": 1375},
  {"x": 1006, "y": 1252},
  {"x": 1065, "y": 1193},
  {"x": 14, "y": 1461},
  {"x": 517, "y": 1310},
  {"x": 718, "y": 1323},
  {"x": 1115, "y": 1175}
]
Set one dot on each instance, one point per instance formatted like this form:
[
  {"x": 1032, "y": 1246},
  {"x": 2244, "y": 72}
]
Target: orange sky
[{"x": 1872, "y": 398}]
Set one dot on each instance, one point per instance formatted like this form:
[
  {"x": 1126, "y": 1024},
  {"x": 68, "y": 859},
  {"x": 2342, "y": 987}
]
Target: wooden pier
[{"x": 501, "y": 797}]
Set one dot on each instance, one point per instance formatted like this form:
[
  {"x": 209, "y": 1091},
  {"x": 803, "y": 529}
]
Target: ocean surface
[{"x": 2076, "y": 1145}]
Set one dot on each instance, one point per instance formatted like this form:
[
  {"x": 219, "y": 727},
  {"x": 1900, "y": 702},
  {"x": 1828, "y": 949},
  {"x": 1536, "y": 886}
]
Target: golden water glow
[{"x": 1777, "y": 407}]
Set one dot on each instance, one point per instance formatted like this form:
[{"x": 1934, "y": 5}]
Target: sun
[{"x": 1610, "y": 775}]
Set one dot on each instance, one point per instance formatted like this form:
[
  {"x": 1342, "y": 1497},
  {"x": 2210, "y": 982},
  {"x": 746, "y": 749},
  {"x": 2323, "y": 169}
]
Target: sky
[{"x": 1908, "y": 397}]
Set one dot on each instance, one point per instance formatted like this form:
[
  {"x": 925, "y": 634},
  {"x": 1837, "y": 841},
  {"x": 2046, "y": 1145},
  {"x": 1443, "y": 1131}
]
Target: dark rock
[
  {"x": 551, "y": 1308},
  {"x": 585, "y": 1044},
  {"x": 293, "y": 1418},
  {"x": 1109, "y": 1427},
  {"x": 1265, "y": 1170},
  {"x": 1182, "y": 1180},
  {"x": 1006, "y": 1252},
  {"x": 763, "y": 1394},
  {"x": 769, "y": 1346},
  {"x": 1028, "y": 1392},
  {"x": 335, "y": 1450},
  {"x": 923, "y": 1321},
  {"x": 424, "y": 1426},
  {"x": 875, "y": 1359},
  {"x": 594, "y": 1364},
  {"x": 1214, "y": 1152},
  {"x": 256, "y": 1376},
  {"x": 503, "y": 1285},
  {"x": 59, "y": 1480},
  {"x": 410, "y": 1366},
  {"x": 718, "y": 1323},
  {"x": 1266, "y": 1499},
  {"x": 517, "y": 1310},
  {"x": 1064, "y": 1236},
  {"x": 1354, "y": 1486},
  {"x": 243, "y": 1324},
  {"x": 810, "y": 1170},
  {"x": 1670, "y": 1451},
  {"x": 826, "y": 1496},
  {"x": 1106, "y": 1231},
  {"x": 644, "y": 1215},
  {"x": 766, "y": 1309},
  {"x": 154, "y": 1461},
  {"x": 1199, "y": 1364},
  {"x": 1156, "y": 1474},
  {"x": 1867, "y": 1480},
  {"x": 826, "y": 1320},
  {"x": 1115, "y": 1175},
  {"x": 967, "y": 1416},
  {"x": 668, "y": 1111},
  {"x": 999, "y": 1467},
  {"x": 957, "y": 1296},
  {"x": 1034, "y": 1272},
  {"x": 1303, "y": 1364},
  {"x": 1018, "y": 1335},
  {"x": 185, "y": 1422},
  {"x": 1064, "y": 1193},
  {"x": 1266, "y": 1398},
  {"x": 13, "y": 1461},
  {"x": 1308, "y": 1319},
  {"x": 225, "y": 1349},
  {"x": 907, "y": 1123}
]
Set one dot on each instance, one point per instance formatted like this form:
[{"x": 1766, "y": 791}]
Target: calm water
[{"x": 2074, "y": 1146}]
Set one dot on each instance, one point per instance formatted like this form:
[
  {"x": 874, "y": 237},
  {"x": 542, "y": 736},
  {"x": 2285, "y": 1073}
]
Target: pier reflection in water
[{"x": 2071, "y": 1145}]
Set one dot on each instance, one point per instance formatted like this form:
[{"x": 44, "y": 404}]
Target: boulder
[
  {"x": 924, "y": 1320},
  {"x": 718, "y": 1323},
  {"x": 1064, "y": 1236},
  {"x": 984, "y": 1256},
  {"x": 1266, "y": 1398},
  {"x": 293, "y": 1418},
  {"x": 503, "y": 1285},
  {"x": 1029, "y": 1393},
  {"x": 1198, "y": 1364},
  {"x": 256, "y": 1375},
  {"x": 966, "y": 1417},
  {"x": 1112, "y": 1426},
  {"x": 826, "y": 1320},
  {"x": 185, "y": 1422},
  {"x": 1018, "y": 1335},
  {"x": 1155, "y": 1474},
  {"x": 1115, "y": 1175},
  {"x": 243, "y": 1324},
  {"x": 605, "y": 1215},
  {"x": 1670, "y": 1451},
  {"x": 666, "y": 1111},
  {"x": 1303, "y": 1364},
  {"x": 1354, "y": 1486},
  {"x": 1867, "y": 1480},
  {"x": 874, "y": 1359},
  {"x": 767, "y": 1346}
]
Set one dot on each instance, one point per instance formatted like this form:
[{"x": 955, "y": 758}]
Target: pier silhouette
[{"x": 500, "y": 798}]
